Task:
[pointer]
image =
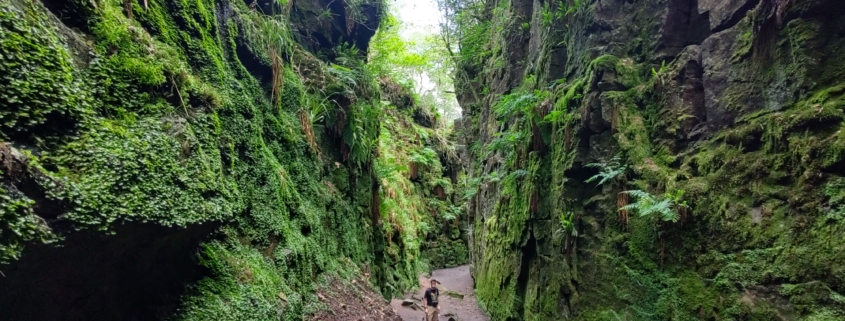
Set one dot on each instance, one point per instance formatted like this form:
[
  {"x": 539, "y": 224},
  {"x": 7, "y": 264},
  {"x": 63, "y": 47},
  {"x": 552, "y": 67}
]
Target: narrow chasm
[{"x": 330, "y": 160}]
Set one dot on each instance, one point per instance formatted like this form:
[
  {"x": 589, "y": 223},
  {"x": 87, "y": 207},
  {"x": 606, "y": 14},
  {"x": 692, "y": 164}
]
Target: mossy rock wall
[
  {"x": 422, "y": 178},
  {"x": 738, "y": 104},
  {"x": 197, "y": 116}
]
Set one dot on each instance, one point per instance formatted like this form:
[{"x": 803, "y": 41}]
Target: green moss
[
  {"x": 41, "y": 90},
  {"x": 19, "y": 226},
  {"x": 825, "y": 315},
  {"x": 743, "y": 44},
  {"x": 248, "y": 285},
  {"x": 415, "y": 199},
  {"x": 757, "y": 210},
  {"x": 174, "y": 123},
  {"x": 165, "y": 163},
  {"x": 446, "y": 253},
  {"x": 604, "y": 62}
]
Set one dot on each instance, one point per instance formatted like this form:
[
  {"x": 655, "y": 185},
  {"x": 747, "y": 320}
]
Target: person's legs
[{"x": 432, "y": 315}]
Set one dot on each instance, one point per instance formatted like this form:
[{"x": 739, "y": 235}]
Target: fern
[
  {"x": 608, "y": 171},
  {"x": 426, "y": 156},
  {"x": 453, "y": 213},
  {"x": 422, "y": 133},
  {"x": 345, "y": 77},
  {"x": 512, "y": 177},
  {"x": 470, "y": 187},
  {"x": 517, "y": 174},
  {"x": 559, "y": 117},
  {"x": 648, "y": 204},
  {"x": 442, "y": 182},
  {"x": 493, "y": 177},
  {"x": 476, "y": 148},
  {"x": 386, "y": 168},
  {"x": 361, "y": 132},
  {"x": 503, "y": 142},
  {"x": 510, "y": 105},
  {"x": 526, "y": 26}
]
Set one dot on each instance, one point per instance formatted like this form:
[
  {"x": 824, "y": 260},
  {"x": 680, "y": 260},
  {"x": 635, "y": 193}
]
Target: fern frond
[
  {"x": 607, "y": 171},
  {"x": 639, "y": 194},
  {"x": 648, "y": 204},
  {"x": 629, "y": 207},
  {"x": 511, "y": 104}
]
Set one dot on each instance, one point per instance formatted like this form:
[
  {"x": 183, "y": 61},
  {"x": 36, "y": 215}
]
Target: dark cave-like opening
[
  {"x": 74, "y": 15},
  {"x": 529, "y": 254},
  {"x": 256, "y": 66},
  {"x": 139, "y": 273}
]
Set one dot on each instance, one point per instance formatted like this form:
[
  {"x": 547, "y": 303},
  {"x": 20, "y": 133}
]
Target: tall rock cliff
[
  {"x": 194, "y": 160},
  {"x": 710, "y": 132}
]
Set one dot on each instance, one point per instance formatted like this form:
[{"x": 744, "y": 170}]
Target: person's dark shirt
[{"x": 431, "y": 297}]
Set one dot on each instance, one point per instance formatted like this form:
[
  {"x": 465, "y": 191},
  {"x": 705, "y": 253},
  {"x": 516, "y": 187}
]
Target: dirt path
[{"x": 457, "y": 280}]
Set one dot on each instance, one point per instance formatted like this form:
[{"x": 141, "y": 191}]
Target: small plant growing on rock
[
  {"x": 526, "y": 26},
  {"x": 548, "y": 15},
  {"x": 657, "y": 72},
  {"x": 567, "y": 229},
  {"x": 564, "y": 10},
  {"x": 666, "y": 207},
  {"x": 611, "y": 171},
  {"x": 567, "y": 224}
]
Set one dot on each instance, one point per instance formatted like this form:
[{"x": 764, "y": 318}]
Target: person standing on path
[{"x": 430, "y": 302}]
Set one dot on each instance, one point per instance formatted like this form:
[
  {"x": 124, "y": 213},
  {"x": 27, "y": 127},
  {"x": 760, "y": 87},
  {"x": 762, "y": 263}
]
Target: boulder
[
  {"x": 720, "y": 77},
  {"x": 412, "y": 305},
  {"x": 455, "y": 294}
]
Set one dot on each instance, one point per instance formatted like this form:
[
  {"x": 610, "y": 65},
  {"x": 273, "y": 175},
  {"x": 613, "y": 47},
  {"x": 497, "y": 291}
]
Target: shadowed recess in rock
[{"x": 139, "y": 273}]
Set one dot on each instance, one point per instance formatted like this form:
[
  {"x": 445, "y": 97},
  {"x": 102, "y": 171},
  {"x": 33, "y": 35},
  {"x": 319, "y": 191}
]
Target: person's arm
[{"x": 425, "y": 301}]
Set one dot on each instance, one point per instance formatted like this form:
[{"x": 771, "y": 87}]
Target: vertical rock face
[
  {"x": 168, "y": 160},
  {"x": 735, "y": 105}
]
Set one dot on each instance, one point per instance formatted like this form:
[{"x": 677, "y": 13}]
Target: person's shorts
[{"x": 432, "y": 315}]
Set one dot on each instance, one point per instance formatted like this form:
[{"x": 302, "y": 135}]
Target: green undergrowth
[{"x": 250, "y": 285}]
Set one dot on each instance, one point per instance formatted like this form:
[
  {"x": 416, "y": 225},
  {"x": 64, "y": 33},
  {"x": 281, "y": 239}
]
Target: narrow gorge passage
[
  {"x": 548, "y": 160},
  {"x": 457, "y": 299}
]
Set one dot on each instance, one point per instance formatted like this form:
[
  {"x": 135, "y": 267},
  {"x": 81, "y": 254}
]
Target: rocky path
[{"x": 455, "y": 283}]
